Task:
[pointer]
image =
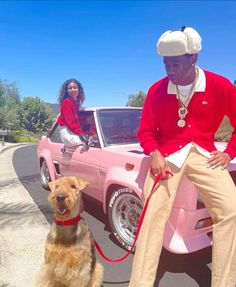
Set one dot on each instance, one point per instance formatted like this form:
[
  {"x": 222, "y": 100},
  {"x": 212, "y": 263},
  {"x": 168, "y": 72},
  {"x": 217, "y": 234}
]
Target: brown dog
[{"x": 69, "y": 253}]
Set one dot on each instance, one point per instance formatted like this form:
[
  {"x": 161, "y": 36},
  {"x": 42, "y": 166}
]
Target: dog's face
[{"x": 65, "y": 197}]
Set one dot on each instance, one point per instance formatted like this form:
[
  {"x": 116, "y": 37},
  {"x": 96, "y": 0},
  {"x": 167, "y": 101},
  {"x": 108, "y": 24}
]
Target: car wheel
[
  {"x": 45, "y": 175},
  {"x": 124, "y": 210}
]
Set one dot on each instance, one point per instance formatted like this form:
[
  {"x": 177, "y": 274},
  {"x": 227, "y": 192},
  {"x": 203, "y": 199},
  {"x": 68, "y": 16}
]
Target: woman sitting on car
[{"x": 71, "y": 97}]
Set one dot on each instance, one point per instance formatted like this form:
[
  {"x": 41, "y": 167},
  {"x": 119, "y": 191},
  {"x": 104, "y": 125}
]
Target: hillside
[{"x": 55, "y": 109}]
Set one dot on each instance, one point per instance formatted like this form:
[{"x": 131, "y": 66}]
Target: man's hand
[
  {"x": 158, "y": 163},
  {"x": 219, "y": 158}
]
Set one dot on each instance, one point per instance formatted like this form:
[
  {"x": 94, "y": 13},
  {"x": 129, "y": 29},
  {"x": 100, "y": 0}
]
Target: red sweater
[
  {"x": 69, "y": 116},
  {"x": 159, "y": 129}
]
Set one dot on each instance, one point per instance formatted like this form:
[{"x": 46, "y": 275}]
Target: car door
[{"x": 85, "y": 166}]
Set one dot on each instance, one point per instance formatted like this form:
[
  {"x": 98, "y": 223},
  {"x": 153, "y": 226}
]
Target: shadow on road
[{"x": 195, "y": 265}]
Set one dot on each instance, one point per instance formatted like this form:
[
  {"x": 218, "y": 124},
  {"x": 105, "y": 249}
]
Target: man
[{"x": 180, "y": 116}]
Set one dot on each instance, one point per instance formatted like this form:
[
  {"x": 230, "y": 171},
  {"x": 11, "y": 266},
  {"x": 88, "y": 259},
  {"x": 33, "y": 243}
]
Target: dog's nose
[{"x": 60, "y": 198}]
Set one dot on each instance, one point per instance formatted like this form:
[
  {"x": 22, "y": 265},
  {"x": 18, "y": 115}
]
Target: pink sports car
[{"x": 115, "y": 167}]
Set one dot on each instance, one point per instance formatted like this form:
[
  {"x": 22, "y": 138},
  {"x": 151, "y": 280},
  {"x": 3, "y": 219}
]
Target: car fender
[
  {"x": 45, "y": 154},
  {"x": 131, "y": 179}
]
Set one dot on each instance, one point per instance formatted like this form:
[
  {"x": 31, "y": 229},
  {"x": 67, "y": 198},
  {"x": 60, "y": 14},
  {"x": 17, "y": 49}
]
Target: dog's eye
[{"x": 73, "y": 186}]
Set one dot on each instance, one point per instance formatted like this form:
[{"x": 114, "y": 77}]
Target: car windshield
[{"x": 119, "y": 126}]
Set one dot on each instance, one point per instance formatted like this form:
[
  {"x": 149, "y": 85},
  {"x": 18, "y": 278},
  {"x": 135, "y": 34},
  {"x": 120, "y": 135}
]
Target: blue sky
[{"x": 109, "y": 46}]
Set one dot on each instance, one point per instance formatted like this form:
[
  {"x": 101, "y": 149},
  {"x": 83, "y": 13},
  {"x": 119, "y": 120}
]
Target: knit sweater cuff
[{"x": 230, "y": 152}]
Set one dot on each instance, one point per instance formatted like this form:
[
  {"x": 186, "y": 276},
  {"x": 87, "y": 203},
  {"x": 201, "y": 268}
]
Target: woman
[{"x": 71, "y": 97}]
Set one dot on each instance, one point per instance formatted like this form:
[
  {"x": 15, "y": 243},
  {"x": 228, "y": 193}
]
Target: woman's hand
[
  {"x": 219, "y": 158},
  {"x": 158, "y": 163},
  {"x": 84, "y": 138}
]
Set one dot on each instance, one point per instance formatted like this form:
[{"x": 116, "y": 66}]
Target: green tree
[
  {"x": 37, "y": 116},
  {"x": 136, "y": 100},
  {"x": 10, "y": 105},
  {"x": 12, "y": 118}
]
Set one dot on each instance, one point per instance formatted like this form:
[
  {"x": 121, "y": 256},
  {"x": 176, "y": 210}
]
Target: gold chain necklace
[{"x": 182, "y": 111}]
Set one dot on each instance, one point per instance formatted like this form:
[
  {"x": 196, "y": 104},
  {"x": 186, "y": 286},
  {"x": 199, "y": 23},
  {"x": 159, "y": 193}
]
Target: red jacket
[
  {"x": 159, "y": 129},
  {"x": 69, "y": 116}
]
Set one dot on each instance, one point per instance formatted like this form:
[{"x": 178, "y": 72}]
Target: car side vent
[
  {"x": 57, "y": 167},
  {"x": 136, "y": 151}
]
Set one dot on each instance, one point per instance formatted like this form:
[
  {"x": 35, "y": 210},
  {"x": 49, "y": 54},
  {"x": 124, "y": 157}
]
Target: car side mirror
[{"x": 93, "y": 140}]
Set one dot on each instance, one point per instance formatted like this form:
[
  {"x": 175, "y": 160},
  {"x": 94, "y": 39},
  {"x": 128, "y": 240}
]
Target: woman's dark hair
[{"x": 63, "y": 93}]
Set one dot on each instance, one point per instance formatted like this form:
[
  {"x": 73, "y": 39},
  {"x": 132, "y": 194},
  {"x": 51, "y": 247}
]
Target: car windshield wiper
[{"x": 123, "y": 137}]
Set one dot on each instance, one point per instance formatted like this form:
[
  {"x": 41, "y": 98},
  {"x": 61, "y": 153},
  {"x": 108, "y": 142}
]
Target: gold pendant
[{"x": 181, "y": 123}]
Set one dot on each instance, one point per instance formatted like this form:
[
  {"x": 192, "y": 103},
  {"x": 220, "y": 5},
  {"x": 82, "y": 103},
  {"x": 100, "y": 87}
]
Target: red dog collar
[{"x": 72, "y": 221}]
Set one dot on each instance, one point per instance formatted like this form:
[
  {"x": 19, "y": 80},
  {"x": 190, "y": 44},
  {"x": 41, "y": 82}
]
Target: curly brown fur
[{"x": 69, "y": 252}]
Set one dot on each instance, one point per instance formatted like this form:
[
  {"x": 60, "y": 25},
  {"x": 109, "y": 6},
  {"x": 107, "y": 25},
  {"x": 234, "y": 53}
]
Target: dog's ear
[
  {"x": 81, "y": 183},
  {"x": 52, "y": 184}
]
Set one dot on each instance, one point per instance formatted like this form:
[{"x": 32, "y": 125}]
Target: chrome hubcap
[{"x": 126, "y": 212}]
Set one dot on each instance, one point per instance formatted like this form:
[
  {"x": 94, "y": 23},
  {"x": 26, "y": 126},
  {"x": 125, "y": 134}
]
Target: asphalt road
[{"x": 190, "y": 270}]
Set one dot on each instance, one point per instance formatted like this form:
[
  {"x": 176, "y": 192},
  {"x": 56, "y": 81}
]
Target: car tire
[
  {"x": 45, "y": 177},
  {"x": 124, "y": 210}
]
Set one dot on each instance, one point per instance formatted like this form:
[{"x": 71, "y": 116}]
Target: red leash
[{"x": 157, "y": 179}]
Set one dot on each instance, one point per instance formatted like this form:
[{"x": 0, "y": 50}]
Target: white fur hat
[{"x": 178, "y": 43}]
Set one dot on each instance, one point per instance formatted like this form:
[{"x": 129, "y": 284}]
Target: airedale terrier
[{"x": 69, "y": 252}]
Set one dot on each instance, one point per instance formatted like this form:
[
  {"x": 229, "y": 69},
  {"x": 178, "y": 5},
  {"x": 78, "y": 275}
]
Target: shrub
[{"x": 19, "y": 136}]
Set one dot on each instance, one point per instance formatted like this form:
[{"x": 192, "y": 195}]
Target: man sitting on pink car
[{"x": 180, "y": 117}]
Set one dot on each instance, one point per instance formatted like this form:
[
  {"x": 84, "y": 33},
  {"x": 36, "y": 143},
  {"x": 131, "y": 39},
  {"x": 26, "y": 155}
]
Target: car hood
[
  {"x": 138, "y": 150},
  {"x": 132, "y": 148}
]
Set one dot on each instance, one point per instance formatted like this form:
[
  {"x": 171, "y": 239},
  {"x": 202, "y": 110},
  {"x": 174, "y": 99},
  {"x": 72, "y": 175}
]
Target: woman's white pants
[{"x": 69, "y": 138}]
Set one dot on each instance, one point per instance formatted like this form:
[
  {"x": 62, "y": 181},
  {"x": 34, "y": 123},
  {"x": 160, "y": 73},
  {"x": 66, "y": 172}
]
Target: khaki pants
[{"x": 218, "y": 193}]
